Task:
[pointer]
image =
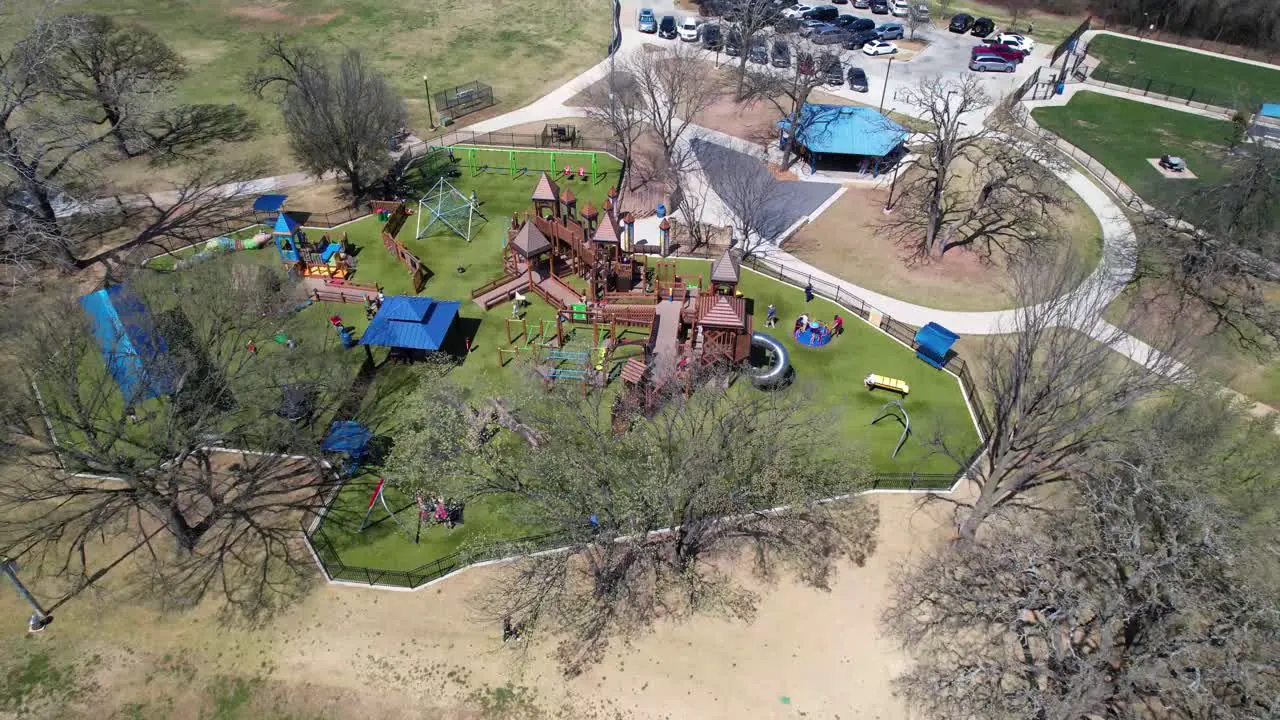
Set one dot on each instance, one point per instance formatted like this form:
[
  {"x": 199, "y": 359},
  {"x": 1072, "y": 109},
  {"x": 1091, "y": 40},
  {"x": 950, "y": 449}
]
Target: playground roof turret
[
  {"x": 589, "y": 211},
  {"x": 530, "y": 242},
  {"x": 608, "y": 232},
  {"x": 728, "y": 269},
  {"x": 722, "y": 311},
  {"x": 285, "y": 225},
  {"x": 665, "y": 224},
  {"x": 567, "y": 197},
  {"x": 546, "y": 189}
]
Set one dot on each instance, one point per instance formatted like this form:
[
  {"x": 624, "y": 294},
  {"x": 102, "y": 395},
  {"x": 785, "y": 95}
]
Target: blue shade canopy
[
  {"x": 933, "y": 342},
  {"x": 269, "y": 203},
  {"x": 416, "y": 323},
  {"x": 135, "y": 354},
  {"x": 846, "y": 130},
  {"x": 346, "y": 436},
  {"x": 1271, "y": 110}
]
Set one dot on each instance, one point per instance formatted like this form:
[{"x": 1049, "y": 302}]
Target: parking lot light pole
[
  {"x": 430, "y": 118},
  {"x": 885, "y": 89}
]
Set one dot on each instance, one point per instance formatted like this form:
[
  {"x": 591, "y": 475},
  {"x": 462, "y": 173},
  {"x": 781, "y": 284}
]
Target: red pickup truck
[{"x": 1004, "y": 52}]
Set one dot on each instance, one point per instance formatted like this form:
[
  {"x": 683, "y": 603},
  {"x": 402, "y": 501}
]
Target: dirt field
[{"x": 348, "y": 652}]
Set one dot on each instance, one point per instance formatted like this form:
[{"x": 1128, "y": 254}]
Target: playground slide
[
  {"x": 777, "y": 372},
  {"x": 502, "y": 292}
]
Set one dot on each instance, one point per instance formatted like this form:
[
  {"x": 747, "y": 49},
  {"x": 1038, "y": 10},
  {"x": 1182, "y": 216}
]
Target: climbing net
[{"x": 447, "y": 205}]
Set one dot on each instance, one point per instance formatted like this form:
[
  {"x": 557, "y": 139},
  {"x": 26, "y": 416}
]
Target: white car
[
  {"x": 1022, "y": 42},
  {"x": 879, "y": 47},
  {"x": 900, "y": 8},
  {"x": 690, "y": 29},
  {"x": 796, "y": 10}
]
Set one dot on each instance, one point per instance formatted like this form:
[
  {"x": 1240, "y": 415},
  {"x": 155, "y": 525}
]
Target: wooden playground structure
[{"x": 683, "y": 322}]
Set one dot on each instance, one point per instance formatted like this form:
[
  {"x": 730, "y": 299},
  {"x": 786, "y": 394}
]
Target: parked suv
[
  {"x": 858, "y": 79},
  {"x": 827, "y": 35},
  {"x": 834, "y": 72},
  {"x": 759, "y": 53},
  {"x": 961, "y": 23},
  {"x": 901, "y": 8},
  {"x": 667, "y": 28},
  {"x": 781, "y": 54},
  {"x": 854, "y": 41},
  {"x": 1004, "y": 52},
  {"x": 861, "y": 25},
  {"x": 1022, "y": 42},
  {"x": 712, "y": 37},
  {"x": 690, "y": 29},
  {"x": 879, "y": 7},
  {"x": 991, "y": 63},
  {"x": 920, "y": 13},
  {"x": 733, "y": 43},
  {"x": 647, "y": 23},
  {"x": 889, "y": 31},
  {"x": 982, "y": 27},
  {"x": 825, "y": 13}
]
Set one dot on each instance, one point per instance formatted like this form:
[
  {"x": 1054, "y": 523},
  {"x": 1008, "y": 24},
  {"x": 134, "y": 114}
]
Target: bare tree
[
  {"x": 789, "y": 92},
  {"x": 118, "y": 456},
  {"x": 914, "y": 22},
  {"x": 676, "y": 89},
  {"x": 617, "y": 103},
  {"x": 1134, "y": 596},
  {"x": 1056, "y": 385},
  {"x": 646, "y": 506},
  {"x": 131, "y": 74},
  {"x": 73, "y": 90},
  {"x": 697, "y": 217},
  {"x": 339, "y": 115},
  {"x": 749, "y": 19},
  {"x": 1016, "y": 10},
  {"x": 970, "y": 185}
]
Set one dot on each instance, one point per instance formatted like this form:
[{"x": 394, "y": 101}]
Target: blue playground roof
[
  {"x": 847, "y": 130},
  {"x": 417, "y": 323},
  {"x": 133, "y": 351},
  {"x": 269, "y": 203},
  {"x": 346, "y": 436},
  {"x": 285, "y": 225},
  {"x": 1271, "y": 110},
  {"x": 933, "y": 342}
]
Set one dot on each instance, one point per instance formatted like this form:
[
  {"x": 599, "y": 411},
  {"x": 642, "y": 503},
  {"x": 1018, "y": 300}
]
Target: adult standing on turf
[
  {"x": 808, "y": 292},
  {"x": 771, "y": 319}
]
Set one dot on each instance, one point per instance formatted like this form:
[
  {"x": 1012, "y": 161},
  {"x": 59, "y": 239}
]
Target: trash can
[
  {"x": 662, "y": 210},
  {"x": 1060, "y": 88},
  {"x": 383, "y": 215}
]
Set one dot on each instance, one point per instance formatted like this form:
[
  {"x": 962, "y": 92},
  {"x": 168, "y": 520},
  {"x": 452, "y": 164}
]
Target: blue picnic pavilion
[
  {"x": 412, "y": 326},
  {"x": 848, "y": 138}
]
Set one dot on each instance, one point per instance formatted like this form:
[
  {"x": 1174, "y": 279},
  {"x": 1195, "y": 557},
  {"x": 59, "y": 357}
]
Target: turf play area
[{"x": 452, "y": 268}]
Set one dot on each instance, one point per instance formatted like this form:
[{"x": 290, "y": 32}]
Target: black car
[
  {"x": 759, "y": 53},
  {"x": 855, "y": 40},
  {"x": 844, "y": 21},
  {"x": 834, "y": 72},
  {"x": 879, "y": 7},
  {"x": 858, "y": 79},
  {"x": 667, "y": 27},
  {"x": 824, "y": 13},
  {"x": 784, "y": 25},
  {"x": 861, "y": 24},
  {"x": 982, "y": 27},
  {"x": 827, "y": 35},
  {"x": 733, "y": 44},
  {"x": 781, "y": 55},
  {"x": 961, "y": 23},
  {"x": 712, "y": 38}
]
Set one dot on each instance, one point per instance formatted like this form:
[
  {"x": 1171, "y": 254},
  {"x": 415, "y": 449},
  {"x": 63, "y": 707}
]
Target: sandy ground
[{"x": 350, "y": 651}]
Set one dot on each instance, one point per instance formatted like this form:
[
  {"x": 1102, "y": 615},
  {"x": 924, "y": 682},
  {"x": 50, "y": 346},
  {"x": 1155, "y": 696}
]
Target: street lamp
[
  {"x": 430, "y": 118},
  {"x": 40, "y": 618},
  {"x": 885, "y": 89}
]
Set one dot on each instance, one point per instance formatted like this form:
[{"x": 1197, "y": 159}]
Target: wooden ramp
[
  {"x": 502, "y": 292},
  {"x": 666, "y": 344},
  {"x": 556, "y": 290}
]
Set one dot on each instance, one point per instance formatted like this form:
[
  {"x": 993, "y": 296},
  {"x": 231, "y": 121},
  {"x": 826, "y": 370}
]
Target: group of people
[
  {"x": 439, "y": 510},
  {"x": 372, "y": 304},
  {"x": 805, "y": 323}
]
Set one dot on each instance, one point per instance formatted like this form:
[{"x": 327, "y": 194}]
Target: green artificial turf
[
  {"x": 1184, "y": 74},
  {"x": 1124, "y": 134}
]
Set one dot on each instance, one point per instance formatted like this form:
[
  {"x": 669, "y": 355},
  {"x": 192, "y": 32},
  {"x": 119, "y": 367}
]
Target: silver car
[{"x": 991, "y": 63}]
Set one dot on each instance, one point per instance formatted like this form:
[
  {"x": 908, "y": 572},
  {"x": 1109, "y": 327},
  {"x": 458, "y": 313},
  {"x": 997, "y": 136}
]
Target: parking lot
[{"x": 946, "y": 55}]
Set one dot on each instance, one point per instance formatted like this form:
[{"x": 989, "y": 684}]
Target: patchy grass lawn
[
  {"x": 846, "y": 240},
  {"x": 1050, "y": 28},
  {"x": 1183, "y": 73},
  {"x": 450, "y": 44},
  {"x": 1125, "y": 134}
]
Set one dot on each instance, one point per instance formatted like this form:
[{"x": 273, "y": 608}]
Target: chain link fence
[
  {"x": 1271, "y": 55},
  {"x": 1144, "y": 86}
]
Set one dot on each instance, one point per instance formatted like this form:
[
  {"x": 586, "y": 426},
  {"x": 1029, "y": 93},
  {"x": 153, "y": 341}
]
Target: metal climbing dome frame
[{"x": 447, "y": 205}]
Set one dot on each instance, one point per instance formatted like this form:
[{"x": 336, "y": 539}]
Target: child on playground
[
  {"x": 771, "y": 319},
  {"x": 837, "y": 326}
]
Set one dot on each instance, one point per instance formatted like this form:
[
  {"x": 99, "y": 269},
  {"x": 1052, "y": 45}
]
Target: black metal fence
[
  {"x": 1109, "y": 180},
  {"x": 458, "y": 101},
  {"x": 509, "y": 139},
  {"x": 1267, "y": 55}
]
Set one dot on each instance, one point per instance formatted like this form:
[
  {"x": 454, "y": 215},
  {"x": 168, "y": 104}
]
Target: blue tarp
[
  {"x": 1270, "y": 110},
  {"x": 847, "y": 130},
  {"x": 346, "y": 436},
  {"x": 933, "y": 342},
  {"x": 269, "y": 203},
  {"x": 416, "y": 323},
  {"x": 285, "y": 225},
  {"x": 136, "y": 356}
]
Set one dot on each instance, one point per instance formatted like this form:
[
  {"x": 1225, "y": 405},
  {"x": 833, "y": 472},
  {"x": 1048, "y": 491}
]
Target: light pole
[
  {"x": 430, "y": 118},
  {"x": 885, "y": 89},
  {"x": 39, "y": 617}
]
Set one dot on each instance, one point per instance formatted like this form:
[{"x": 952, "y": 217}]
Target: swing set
[{"x": 468, "y": 156}]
